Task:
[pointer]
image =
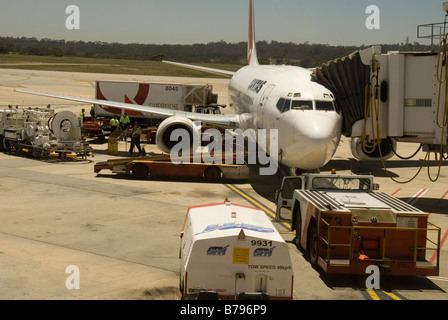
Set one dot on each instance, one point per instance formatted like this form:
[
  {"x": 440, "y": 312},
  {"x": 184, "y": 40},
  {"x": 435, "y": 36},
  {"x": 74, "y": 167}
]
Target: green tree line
[{"x": 304, "y": 54}]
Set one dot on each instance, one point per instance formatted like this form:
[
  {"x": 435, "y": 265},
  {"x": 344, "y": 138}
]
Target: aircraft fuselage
[{"x": 284, "y": 98}]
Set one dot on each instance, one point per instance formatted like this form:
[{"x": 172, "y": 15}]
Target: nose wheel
[{"x": 298, "y": 171}]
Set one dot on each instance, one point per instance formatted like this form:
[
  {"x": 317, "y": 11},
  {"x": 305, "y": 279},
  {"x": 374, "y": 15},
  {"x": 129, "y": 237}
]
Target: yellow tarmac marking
[
  {"x": 257, "y": 204},
  {"x": 393, "y": 296},
  {"x": 373, "y": 294}
]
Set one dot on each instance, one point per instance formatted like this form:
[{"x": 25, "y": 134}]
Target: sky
[{"x": 333, "y": 22}]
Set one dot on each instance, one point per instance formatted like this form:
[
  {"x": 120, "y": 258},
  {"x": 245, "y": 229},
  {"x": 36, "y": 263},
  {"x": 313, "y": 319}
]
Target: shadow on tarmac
[{"x": 387, "y": 282}]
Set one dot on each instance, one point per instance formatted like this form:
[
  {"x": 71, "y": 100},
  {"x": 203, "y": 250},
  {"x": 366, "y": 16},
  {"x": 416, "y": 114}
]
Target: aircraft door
[{"x": 261, "y": 122}]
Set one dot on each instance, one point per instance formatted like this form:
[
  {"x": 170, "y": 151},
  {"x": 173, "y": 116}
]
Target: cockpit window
[
  {"x": 302, "y": 105},
  {"x": 280, "y": 104},
  {"x": 287, "y": 105},
  {"x": 283, "y": 105},
  {"x": 324, "y": 106}
]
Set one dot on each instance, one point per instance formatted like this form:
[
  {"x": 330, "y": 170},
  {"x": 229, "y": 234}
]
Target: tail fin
[{"x": 252, "y": 59}]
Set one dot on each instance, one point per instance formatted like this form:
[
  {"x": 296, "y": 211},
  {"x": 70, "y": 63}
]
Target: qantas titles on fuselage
[{"x": 256, "y": 85}]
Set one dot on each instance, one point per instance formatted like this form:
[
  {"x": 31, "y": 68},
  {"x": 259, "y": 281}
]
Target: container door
[
  {"x": 260, "y": 283},
  {"x": 240, "y": 283}
]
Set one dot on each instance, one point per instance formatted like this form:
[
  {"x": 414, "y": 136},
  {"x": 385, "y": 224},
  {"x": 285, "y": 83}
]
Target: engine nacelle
[
  {"x": 169, "y": 125},
  {"x": 387, "y": 146}
]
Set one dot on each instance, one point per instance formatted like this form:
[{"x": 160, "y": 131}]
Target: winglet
[{"x": 252, "y": 59}]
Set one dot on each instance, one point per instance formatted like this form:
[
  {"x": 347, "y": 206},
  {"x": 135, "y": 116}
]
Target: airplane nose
[
  {"x": 316, "y": 138},
  {"x": 316, "y": 129}
]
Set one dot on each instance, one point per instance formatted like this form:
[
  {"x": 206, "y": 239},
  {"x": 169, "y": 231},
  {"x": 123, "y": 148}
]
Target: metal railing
[
  {"x": 354, "y": 229},
  {"x": 432, "y": 31}
]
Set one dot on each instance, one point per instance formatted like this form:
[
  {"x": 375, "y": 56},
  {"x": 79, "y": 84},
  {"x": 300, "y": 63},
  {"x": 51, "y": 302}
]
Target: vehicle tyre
[
  {"x": 313, "y": 246},
  {"x": 7, "y": 145},
  {"x": 30, "y": 148},
  {"x": 298, "y": 238},
  {"x": 140, "y": 171},
  {"x": 212, "y": 174}
]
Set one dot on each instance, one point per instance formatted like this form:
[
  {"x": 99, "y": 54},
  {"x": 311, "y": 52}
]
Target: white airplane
[{"x": 263, "y": 97}]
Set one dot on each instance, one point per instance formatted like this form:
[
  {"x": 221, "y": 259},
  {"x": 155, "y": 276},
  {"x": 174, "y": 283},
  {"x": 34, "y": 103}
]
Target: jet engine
[
  {"x": 368, "y": 153},
  {"x": 165, "y": 139}
]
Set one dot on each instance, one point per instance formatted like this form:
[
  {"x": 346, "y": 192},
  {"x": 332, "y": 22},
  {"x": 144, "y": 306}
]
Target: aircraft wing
[
  {"x": 226, "y": 121},
  {"x": 205, "y": 69}
]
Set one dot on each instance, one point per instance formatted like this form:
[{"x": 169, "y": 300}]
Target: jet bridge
[{"x": 389, "y": 97}]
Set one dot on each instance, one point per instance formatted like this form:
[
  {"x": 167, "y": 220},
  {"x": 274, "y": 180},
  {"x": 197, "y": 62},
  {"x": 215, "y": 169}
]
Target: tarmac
[{"x": 122, "y": 235}]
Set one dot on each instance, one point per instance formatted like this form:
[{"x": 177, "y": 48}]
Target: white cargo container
[
  {"x": 234, "y": 251},
  {"x": 161, "y": 95}
]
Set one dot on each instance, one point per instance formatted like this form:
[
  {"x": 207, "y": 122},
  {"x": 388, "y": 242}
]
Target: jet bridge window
[
  {"x": 302, "y": 105},
  {"x": 341, "y": 183},
  {"x": 324, "y": 106}
]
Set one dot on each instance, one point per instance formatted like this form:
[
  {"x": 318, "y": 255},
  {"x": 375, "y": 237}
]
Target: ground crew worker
[
  {"x": 114, "y": 123},
  {"x": 124, "y": 123},
  {"x": 92, "y": 111},
  {"x": 135, "y": 139},
  {"x": 82, "y": 114}
]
